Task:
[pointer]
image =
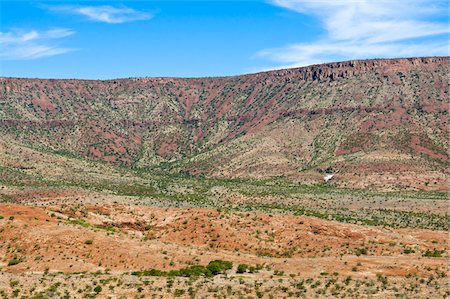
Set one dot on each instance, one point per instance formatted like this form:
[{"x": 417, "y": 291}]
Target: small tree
[{"x": 242, "y": 268}]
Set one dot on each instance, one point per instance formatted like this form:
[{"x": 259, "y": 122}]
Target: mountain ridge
[
  {"x": 294, "y": 122},
  {"x": 336, "y": 64}
]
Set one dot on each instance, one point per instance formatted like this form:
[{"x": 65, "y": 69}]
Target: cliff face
[
  {"x": 346, "y": 69},
  {"x": 377, "y": 117}
]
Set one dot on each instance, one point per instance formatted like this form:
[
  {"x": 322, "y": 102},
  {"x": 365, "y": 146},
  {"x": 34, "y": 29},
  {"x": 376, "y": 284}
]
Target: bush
[
  {"x": 150, "y": 272},
  {"x": 213, "y": 268},
  {"x": 381, "y": 278},
  {"x": 98, "y": 289},
  {"x": 433, "y": 253},
  {"x": 408, "y": 250},
  {"x": 88, "y": 242},
  {"x": 219, "y": 266},
  {"x": 14, "y": 261},
  {"x": 359, "y": 251},
  {"x": 192, "y": 271},
  {"x": 242, "y": 268},
  {"x": 178, "y": 292}
]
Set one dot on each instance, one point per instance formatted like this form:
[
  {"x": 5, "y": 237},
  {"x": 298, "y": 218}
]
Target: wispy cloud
[
  {"x": 105, "y": 13},
  {"x": 32, "y": 44},
  {"x": 357, "y": 29}
]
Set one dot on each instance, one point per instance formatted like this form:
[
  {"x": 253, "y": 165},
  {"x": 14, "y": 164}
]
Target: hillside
[{"x": 378, "y": 124}]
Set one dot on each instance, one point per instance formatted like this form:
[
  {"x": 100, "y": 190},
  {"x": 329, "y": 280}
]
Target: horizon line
[{"x": 229, "y": 76}]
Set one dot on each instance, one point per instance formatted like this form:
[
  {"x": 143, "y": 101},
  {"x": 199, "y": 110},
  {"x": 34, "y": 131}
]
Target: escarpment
[{"x": 295, "y": 120}]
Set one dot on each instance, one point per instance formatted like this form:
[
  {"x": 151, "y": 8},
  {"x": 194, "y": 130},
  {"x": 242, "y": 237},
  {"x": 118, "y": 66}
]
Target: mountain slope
[{"x": 374, "y": 123}]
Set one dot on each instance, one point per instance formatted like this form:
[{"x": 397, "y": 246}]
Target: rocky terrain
[{"x": 214, "y": 187}]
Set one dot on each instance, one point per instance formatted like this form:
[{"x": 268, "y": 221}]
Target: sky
[{"x": 120, "y": 39}]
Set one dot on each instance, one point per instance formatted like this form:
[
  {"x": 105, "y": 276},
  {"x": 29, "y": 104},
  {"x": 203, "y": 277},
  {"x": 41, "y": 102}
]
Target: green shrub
[
  {"x": 219, "y": 266},
  {"x": 381, "y": 278},
  {"x": 192, "y": 271},
  {"x": 433, "y": 253},
  {"x": 242, "y": 268},
  {"x": 408, "y": 250},
  {"x": 98, "y": 289},
  {"x": 213, "y": 268},
  {"x": 14, "y": 261},
  {"x": 359, "y": 251},
  {"x": 178, "y": 292}
]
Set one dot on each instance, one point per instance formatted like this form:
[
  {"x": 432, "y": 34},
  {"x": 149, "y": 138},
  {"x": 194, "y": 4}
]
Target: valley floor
[{"x": 73, "y": 246}]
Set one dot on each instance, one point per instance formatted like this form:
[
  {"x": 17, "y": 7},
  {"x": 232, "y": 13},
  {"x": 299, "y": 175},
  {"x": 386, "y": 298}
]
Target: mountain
[{"x": 380, "y": 124}]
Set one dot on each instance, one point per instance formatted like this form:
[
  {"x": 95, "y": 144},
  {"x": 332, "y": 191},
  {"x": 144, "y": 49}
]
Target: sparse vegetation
[
  {"x": 434, "y": 253},
  {"x": 213, "y": 268},
  {"x": 127, "y": 188}
]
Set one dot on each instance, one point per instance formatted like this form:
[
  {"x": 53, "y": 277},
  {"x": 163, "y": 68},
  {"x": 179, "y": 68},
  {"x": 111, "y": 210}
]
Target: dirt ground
[{"x": 73, "y": 243}]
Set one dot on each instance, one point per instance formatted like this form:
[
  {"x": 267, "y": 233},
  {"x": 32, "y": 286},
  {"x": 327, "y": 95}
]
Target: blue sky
[{"x": 112, "y": 39}]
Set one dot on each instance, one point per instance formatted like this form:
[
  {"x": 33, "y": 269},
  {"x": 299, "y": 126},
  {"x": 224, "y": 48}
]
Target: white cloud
[
  {"x": 105, "y": 13},
  {"x": 32, "y": 44},
  {"x": 357, "y": 29}
]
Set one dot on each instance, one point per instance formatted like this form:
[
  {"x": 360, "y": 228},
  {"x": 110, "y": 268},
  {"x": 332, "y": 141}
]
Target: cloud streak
[
  {"x": 358, "y": 29},
  {"x": 32, "y": 44},
  {"x": 105, "y": 13}
]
